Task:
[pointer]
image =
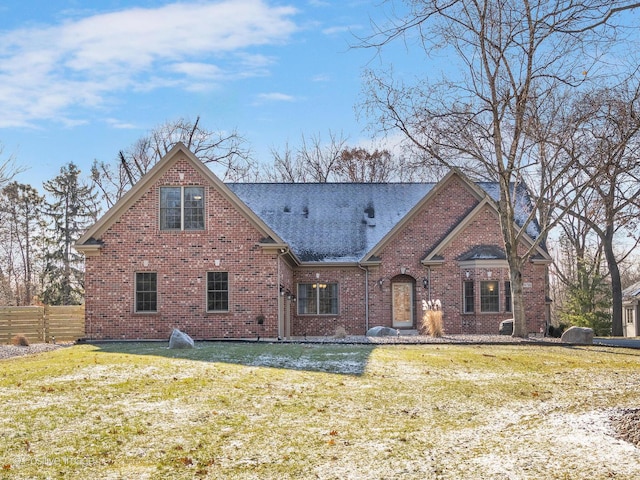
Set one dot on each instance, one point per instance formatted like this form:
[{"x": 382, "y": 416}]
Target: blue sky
[{"x": 82, "y": 80}]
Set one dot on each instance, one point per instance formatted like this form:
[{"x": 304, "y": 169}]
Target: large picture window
[
  {"x": 469, "y": 296},
  {"x": 146, "y": 292},
  {"x": 217, "y": 291},
  {"x": 489, "y": 297},
  {"x": 181, "y": 208},
  {"x": 318, "y": 298}
]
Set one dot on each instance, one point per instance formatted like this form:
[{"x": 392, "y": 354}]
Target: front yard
[{"x": 262, "y": 411}]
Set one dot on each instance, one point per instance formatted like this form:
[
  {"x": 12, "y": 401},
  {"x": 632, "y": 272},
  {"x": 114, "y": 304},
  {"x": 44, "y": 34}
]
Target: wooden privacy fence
[{"x": 42, "y": 324}]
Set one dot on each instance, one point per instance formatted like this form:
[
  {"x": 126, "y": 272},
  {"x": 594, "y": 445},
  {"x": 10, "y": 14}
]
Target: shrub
[
  {"x": 20, "y": 340},
  {"x": 556, "y": 332}
]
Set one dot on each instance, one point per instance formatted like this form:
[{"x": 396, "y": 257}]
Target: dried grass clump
[
  {"x": 340, "y": 332},
  {"x": 20, "y": 341},
  {"x": 432, "y": 319}
]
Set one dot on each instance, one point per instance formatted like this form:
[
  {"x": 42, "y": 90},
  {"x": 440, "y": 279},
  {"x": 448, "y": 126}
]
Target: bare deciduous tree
[
  {"x": 20, "y": 208},
  {"x": 313, "y": 161},
  {"x": 610, "y": 144},
  {"x": 224, "y": 152},
  {"x": 513, "y": 56}
]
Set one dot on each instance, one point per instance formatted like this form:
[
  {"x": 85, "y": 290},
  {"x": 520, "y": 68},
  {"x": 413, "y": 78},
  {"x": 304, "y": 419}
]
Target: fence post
[{"x": 45, "y": 324}]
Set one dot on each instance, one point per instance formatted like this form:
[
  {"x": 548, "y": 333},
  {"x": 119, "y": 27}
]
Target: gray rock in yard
[
  {"x": 382, "y": 332},
  {"x": 578, "y": 336},
  {"x": 180, "y": 340}
]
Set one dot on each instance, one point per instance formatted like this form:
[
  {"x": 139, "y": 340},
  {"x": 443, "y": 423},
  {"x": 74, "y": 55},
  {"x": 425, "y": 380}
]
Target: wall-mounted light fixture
[
  {"x": 425, "y": 283},
  {"x": 281, "y": 291}
]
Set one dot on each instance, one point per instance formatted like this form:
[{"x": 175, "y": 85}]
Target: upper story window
[
  {"x": 181, "y": 208},
  {"x": 489, "y": 297},
  {"x": 318, "y": 298}
]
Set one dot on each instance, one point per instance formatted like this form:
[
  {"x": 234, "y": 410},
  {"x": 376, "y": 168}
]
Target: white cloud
[
  {"x": 339, "y": 30},
  {"x": 115, "y": 123},
  {"x": 44, "y": 72},
  {"x": 275, "y": 97}
]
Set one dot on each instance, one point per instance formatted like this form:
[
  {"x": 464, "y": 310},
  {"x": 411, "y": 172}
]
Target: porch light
[
  {"x": 425, "y": 283},
  {"x": 281, "y": 291}
]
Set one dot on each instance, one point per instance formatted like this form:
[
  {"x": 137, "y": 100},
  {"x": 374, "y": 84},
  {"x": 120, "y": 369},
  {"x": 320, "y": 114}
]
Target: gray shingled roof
[
  {"x": 631, "y": 292},
  {"x": 334, "y": 222}
]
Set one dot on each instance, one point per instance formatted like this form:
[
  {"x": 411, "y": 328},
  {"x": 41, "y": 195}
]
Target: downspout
[
  {"x": 366, "y": 297},
  {"x": 283, "y": 252},
  {"x": 429, "y": 282}
]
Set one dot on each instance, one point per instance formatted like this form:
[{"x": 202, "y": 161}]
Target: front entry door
[{"x": 402, "y": 304}]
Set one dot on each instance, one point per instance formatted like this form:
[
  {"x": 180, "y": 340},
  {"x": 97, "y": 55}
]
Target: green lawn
[{"x": 285, "y": 411}]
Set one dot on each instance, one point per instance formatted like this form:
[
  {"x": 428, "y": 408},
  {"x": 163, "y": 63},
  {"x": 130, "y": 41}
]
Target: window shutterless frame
[
  {"x": 317, "y": 298},
  {"x": 146, "y": 292},
  {"x": 182, "y": 208},
  {"x": 217, "y": 292},
  {"x": 489, "y": 296},
  {"x": 468, "y": 296}
]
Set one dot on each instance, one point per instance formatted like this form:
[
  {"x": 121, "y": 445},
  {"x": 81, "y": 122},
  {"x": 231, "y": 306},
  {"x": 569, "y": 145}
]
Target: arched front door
[{"x": 402, "y": 301}]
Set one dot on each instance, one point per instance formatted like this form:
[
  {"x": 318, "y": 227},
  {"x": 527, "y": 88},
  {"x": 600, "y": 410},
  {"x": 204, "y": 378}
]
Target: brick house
[{"x": 183, "y": 249}]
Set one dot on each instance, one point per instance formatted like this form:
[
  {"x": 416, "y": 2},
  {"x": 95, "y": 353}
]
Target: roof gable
[
  {"x": 179, "y": 152},
  {"x": 435, "y": 256},
  {"x": 476, "y": 191}
]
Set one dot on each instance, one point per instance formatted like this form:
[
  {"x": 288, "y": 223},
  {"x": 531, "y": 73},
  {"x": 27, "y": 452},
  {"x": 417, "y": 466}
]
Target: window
[
  {"x": 508, "y": 306},
  {"x": 217, "y": 291},
  {"x": 146, "y": 292},
  {"x": 468, "y": 297},
  {"x": 181, "y": 208},
  {"x": 318, "y": 299},
  {"x": 489, "y": 297},
  {"x": 629, "y": 315}
]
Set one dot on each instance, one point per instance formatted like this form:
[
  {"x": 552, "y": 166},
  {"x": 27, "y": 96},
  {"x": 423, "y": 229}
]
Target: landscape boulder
[
  {"x": 180, "y": 340},
  {"x": 382, "y": 332},
  {"x": 578, "y": 336}
]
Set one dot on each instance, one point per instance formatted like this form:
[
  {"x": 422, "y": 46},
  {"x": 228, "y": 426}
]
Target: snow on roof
[
  {"x": 483, "y": 252},
  {"x": 632, "y": 291},
  {"x": 334, "y": 222},
  {"x": 523, "y": 205}
]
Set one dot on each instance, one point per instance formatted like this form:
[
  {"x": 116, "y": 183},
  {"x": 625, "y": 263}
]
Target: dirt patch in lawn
[{"x": 626, "y": 423}]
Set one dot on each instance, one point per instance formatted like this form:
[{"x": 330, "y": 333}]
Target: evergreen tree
[
  {"x": 588, "y": 303},
  {"x": 70, "y": 209}
]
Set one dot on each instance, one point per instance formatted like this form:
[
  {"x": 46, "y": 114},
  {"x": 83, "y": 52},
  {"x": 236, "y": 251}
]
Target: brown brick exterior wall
[{"x": 134, "y": 243}]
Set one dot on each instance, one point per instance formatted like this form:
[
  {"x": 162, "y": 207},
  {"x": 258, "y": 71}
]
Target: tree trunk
[
  {"x": 616, "y": 286},
  {"x": 519, "y": 317}
]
